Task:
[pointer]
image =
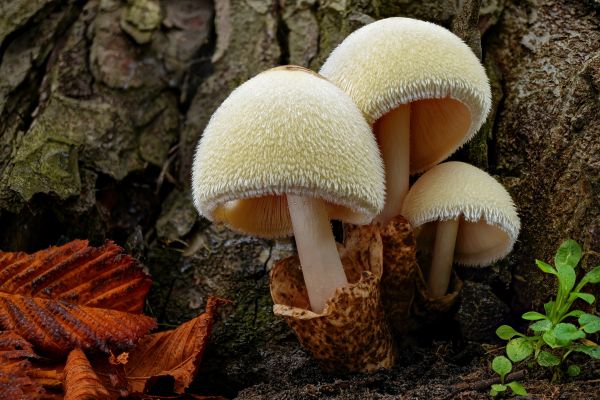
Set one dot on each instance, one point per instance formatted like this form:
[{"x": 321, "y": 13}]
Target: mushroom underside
[
  {"x": 477, "y": 243},
  {"x": 437, "y": 128},
  {"x": 268, "y": 216}
]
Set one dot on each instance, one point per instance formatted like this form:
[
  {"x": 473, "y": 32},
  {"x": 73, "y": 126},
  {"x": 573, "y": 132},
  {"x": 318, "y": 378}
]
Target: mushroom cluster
[
  {"x": 290, "y": 149},
  {"x": 426, "y": 94}
]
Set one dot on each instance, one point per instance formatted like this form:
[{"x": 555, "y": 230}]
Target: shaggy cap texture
[
  {"x": 286, "y": 131},
  {"x": 401, "y": 60},
  {"x": 489, "y": 224}
]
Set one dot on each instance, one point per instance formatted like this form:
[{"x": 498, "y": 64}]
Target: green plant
[
  {"x": 559, "y": 331},
  {"x": 502, "y": 366}
]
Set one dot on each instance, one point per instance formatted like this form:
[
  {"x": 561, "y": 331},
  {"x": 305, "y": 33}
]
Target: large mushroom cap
[
  {"x": 286, "y": 131},
  {"x": 401, "y": 60},
  {"x": 489, "y": 224}
]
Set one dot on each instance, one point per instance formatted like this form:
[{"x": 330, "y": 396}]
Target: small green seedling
[
  {"x": 559, "y": 331},
  {"x": 502, "y": 366}
]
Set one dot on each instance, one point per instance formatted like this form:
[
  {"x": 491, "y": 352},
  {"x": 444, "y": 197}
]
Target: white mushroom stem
[
  {"x": 393, "y": 136},
  {"x": 443, "y": 256},
  {"x": 321, "y": 265}
]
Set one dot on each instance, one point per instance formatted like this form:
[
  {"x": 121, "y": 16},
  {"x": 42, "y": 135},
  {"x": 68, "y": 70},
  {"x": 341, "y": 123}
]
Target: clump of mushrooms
[
  {"x": 286, "y": 152},
  {"x": 465, "y": 215},
  {"x": 421, "y": 86}
]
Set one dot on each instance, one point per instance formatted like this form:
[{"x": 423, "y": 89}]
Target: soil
[{"x": 437, "y": 369}]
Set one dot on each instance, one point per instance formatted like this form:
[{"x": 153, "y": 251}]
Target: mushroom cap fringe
[
  {"x": 398, "y": 61},
  {"x": 287, "y": 130},
  {"x": 489, "y": 224},
  {"x": 352, "y": 333}
]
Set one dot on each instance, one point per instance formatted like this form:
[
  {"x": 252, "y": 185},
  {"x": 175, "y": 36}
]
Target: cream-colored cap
[
  {"x": 401, "y": 60},
  {"x": 286, "y": 131},
  {"x": 489, "y": 224}
]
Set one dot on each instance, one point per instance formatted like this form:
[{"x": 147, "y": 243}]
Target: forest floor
[{"x": 441, "y": 370}]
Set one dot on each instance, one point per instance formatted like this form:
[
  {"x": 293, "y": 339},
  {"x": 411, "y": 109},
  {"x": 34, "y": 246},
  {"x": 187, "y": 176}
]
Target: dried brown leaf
[
  {"x": 56, "y": 327},
  {"x": 100, "y": 277},
  {"x": 173, "y": 354},
  {"x": 81, "y": 382},
  {"x": 15, "y": 383}
]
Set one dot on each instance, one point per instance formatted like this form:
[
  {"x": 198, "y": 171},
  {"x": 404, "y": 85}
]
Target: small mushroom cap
[
  {"x": 489, "y": 224},
  {"x": 286, "y": 131},
  {"x": 397, "y": 61}
]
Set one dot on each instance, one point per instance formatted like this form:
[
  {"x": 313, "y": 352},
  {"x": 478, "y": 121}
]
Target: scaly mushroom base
[
  {"x": 400, "y": 272},
  {"x": 352, "y": 334}
]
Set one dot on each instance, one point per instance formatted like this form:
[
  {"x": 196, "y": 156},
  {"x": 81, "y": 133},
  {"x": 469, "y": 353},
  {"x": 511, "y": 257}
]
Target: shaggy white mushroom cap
[
  {"x": 286, "y": 131},
  {"x": 489, "y": 224},
  {"x": 397, "y": 61}
]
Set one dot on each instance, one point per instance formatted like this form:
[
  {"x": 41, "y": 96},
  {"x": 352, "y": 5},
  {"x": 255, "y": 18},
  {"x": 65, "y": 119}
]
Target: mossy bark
[{"x": 102, "y": 103}]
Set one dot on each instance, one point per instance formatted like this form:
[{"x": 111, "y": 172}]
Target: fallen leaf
[
  {"x": 50, "y": 376},
  {"x": 102, "y": 277},
  {"x": 171, "y": 356},
  {"x": 15, "y": 383},
  {"x": 56, "y": 327},
  {"x": 73, "y": 296},
  {"x": 81, "y": 382}
]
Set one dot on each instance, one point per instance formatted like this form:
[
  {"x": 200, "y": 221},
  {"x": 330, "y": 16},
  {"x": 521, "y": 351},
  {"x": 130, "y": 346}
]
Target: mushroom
[
  {"x": 420, "y": 85},
  {"x": 465, "y": 216},
  {"x": 286, "y": 152}
]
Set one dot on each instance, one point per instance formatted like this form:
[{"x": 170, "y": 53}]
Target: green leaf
[
  {"x": 593, "y": 276},
  {"x": 589, "y": 322},
  {"x": 566, "y": 278},
  {"x": 550, "y": 339},
  {"x": 592, "y": 351},
  {"x": 519, "y": 349},
  {"x": 568, "y": 254},
  {"x": 502, "y": 366},
  {"x": 506, "y": 332},
  {"x": 533, "y": 316},
  {"x": 566, "y": 333},
  {"x": 574, "y": 313},
  {"x": 548, "y": 307},
  {"x": 587, "y": 297},
  {"x": 573, "y": 370},
  {"x": 546, "y": 359},
  {"x": 498, "y": 387},
  {"x": 517, "y": 388},
  {"x": 541, "y": 326},
  {"x": 547, "y": 268}
]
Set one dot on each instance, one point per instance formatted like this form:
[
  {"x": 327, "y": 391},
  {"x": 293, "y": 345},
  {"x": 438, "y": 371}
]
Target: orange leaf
[
  {"x": 15, "y": 383},
  {"x": 101, "y": 277},
  {"x": 175, "y": 353},
  {"x": 81, "y": 382},
  {"x": 56, "y": 326}
]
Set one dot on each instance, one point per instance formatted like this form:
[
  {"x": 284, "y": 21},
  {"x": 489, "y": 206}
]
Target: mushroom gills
[
  {"x": 475, "y": 241},
  {"x": 437, "y": 126}
]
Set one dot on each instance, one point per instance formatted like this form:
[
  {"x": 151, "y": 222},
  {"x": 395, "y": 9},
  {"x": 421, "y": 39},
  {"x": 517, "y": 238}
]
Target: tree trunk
[{"x": 102, "y": 104}]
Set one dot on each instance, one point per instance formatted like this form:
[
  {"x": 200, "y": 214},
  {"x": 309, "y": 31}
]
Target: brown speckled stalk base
[
  {"x": 398, "y": 284},
  {"x": 352, "y": 333},
  {"x": 428, "y": 309}
]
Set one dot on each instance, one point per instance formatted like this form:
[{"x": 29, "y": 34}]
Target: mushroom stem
[
  {"x": 443, "y": 256},
  {"x": 393, "y": 136},
  {"x": 321, "y": 265}
]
